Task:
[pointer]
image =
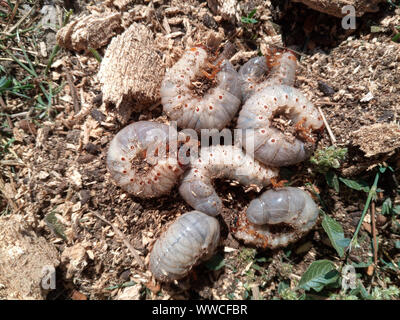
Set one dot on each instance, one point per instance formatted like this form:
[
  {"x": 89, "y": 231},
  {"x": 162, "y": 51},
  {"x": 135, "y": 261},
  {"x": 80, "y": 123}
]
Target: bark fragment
[
  {"x": 334, "y": 7},
  {"x": 131, "y": 72},
  {"x": 94, "y": 30}
]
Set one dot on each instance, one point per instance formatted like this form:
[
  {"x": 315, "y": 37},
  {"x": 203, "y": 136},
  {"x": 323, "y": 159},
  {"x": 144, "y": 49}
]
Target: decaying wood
[
  {"x": 334, "y": 7},
  {"x": 118, "y": 3},
  {"x": 94, "y": 31},
  {"x": 379, "y": 138},
  {"x": 131, "y": 72}
]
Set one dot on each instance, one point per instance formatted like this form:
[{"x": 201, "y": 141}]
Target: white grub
[
  {"x": 192, "y": 238},
  {"x": 183, "y": 100},
  {"x": 290, "y": 208},
  {"x": 139, "y": 162},
  {"x": 264, "y": 100},
  {"x": 228, "y": 162},
  {"x": 280, "y": 67}
]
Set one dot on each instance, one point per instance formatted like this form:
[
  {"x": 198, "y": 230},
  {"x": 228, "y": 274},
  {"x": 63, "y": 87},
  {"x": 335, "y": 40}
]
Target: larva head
[
  {"x": 284, "y": 205},
  {"x": 272, "y": 207}
]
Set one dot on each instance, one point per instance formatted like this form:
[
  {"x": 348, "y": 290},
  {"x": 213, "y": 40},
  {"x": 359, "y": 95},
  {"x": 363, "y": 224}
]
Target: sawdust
[
  {"x": 24, "y": 259},
  {"x": 377, "y": 138}
]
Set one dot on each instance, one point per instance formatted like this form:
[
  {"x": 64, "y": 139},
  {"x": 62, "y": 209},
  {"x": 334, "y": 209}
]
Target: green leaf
[
  {"x": 335, "y": 234},
  {"x": 249, "y": 20},
  {"x": 256, "y": 267},
  {"x": 397, "y": 244},
  {"x": 216, "y": 262},
  {"x": 356, "y": 185},
  {"x": 282, "y": 286},
  {"x": 252, "y": 13},
  {"x": 332, "y": 180},
  {"x": 344, "y": 243},
  {"x": 318, "y": 275},
  {"x": 387, "y": 206},
  {"x": 4, "y": 83},
  {"x": 360, "y": 290},
  {"x": 262, "y": 259},
  {"x": 54, "y": 225}
]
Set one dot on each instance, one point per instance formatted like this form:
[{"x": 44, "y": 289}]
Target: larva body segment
[
  {"x": 138, "y": 162},
  {"x": 281, "y": 69},
  {"x": 192, "y": 238},
  {"x": 266, "y": 99},
  {"x": 228, "y": 162},
  {"x": 287, "y": 206},
  {"x": 251, "y": 74},
  {"x": 271, "y": 146},
  {"x": 184, "y": 101}
]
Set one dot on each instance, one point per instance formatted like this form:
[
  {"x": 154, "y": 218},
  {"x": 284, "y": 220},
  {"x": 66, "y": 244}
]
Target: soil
[{"x": 57, "y": 165}]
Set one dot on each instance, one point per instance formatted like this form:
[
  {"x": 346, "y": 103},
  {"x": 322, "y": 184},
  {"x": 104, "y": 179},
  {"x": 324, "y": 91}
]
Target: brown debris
[
  {"x": 23, "y": 259},
  {"x": 131, "y": 72},
  {"x": 334, "y": 7},
  {"x": 130, "y": 293},
  {"x": 228, "y": 9},
  {"x": 118, "y": 3},
  {"x": 74, "y": 259},
  {"x": 377, "y": 138},
  {"x": 92, "y": 31}
]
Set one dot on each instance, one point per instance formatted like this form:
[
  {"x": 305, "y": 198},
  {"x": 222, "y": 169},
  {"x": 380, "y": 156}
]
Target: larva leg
[
  {"x": 221, "y": 162},
  {"x": 291, "y": 207},
  {"x": 139, "y": 162},
  {"x": 192, "y": 238},
  {"x": 198, "y": 99}
]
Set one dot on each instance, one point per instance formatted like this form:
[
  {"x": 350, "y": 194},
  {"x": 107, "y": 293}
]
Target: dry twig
[
  {"x": 126, "y": 241},
  {"x": 328, "y": 128}
]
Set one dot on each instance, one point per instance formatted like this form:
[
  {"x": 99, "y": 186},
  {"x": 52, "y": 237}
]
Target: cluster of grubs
[{"x": 141, "y": 162}]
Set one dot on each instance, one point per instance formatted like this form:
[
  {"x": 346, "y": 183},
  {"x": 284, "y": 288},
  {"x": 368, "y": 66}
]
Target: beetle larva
[
  {"x": 290, "y": 207},
  {"x": 279, "y": 68},
  {"x": 266, "y": 99},
  {"x": 228, "y": 162},
  {"x": 270, "y": 145},
  {"x": 192, "y": 238},
  {"x": 187, "y": 100},
  {"x": 138, "y": 159}
]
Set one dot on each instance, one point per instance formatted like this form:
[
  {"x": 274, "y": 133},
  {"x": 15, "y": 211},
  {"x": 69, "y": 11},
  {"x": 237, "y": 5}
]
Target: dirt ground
[{"x": 53, "y": 173}]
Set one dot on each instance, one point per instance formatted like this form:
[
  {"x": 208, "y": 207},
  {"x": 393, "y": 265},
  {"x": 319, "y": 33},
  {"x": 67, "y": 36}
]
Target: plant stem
[{"x": 371, "y": 194}]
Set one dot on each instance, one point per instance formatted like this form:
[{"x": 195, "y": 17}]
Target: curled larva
[
  {"x": 193, "y": 237},
  {"x": 266, "y": 99},
  {"x": 277, "y": 218},
  {"x": 138, "y": 159},
  {"x": 228, "y": 162},
  {"x": 270, "y": 145},
  {"x": 260, "y": 72},
  {"x": 196, "y": 99}
]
